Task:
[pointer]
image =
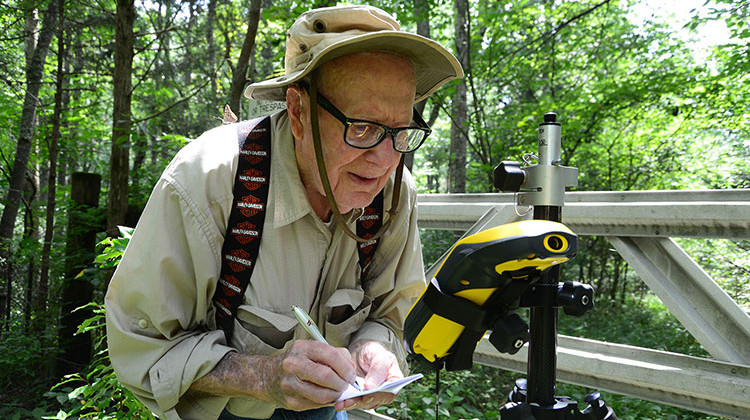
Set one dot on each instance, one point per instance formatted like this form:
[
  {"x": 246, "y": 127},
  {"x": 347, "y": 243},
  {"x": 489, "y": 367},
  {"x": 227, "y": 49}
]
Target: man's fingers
[
  {"x": 377, "y": 364},
  {"x": 377, "y": 399},
  {"x": 366, "y": 402},
  {"x": 383, "y": 368},
  {"x": 323, "y": 376},
  {"x": 349, "y": 404},
  {"x": 303, "y": 393},
  {"x": 337, "y": 359},
  {"x": 317, "y": 371}
]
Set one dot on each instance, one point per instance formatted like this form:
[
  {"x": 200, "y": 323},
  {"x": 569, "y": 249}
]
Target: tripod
[{"x": 534, "y": 398}]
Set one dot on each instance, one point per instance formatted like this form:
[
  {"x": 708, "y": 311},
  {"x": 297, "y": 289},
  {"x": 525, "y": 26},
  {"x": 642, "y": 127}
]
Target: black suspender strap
[
  {"x": 245, "y": 226},
  {"x": 368, "y": 225}
]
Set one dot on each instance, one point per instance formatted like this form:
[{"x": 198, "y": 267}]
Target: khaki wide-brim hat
[{"x": 324, "y": 34}]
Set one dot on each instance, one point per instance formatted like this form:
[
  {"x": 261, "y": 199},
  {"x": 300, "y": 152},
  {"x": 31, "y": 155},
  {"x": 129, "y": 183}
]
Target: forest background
[{"x": 100, "y": 95}]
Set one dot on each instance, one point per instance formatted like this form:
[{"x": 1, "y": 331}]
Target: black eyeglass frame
[{"x": 347, "y": 122}]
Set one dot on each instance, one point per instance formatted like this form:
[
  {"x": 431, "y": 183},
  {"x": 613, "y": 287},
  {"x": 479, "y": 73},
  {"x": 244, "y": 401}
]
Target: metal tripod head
[{"x": 544, "y": 183}]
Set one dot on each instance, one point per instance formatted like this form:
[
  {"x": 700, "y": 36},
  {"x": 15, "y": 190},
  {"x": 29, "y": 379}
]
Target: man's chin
[{"x": 356, "y": 201}]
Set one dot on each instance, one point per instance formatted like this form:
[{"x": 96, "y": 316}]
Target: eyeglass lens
[{"x": 365, "y": 135}]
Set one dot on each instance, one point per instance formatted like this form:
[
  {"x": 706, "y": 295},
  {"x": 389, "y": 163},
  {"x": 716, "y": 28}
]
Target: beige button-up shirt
[{"x": 160, "y": 320}]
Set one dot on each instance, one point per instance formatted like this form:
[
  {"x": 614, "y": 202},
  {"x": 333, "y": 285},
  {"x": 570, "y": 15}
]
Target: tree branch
[
  {"x": 7, "y": 165},
  {"x": 169, "y": 108},
  {"x": 550, "y": 33}
]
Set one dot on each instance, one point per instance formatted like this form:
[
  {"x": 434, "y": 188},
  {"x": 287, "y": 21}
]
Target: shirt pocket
[
  {"x": 347, "y": 310},
  {"x": 260, "y": 331}
]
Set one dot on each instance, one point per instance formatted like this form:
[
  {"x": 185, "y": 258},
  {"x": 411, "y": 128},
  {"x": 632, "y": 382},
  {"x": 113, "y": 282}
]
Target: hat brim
[{"x": 433, "y": 64}]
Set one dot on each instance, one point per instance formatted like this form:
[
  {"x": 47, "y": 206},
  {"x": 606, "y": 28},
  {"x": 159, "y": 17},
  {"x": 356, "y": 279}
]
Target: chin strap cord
[{"x": 324, "y": 173}]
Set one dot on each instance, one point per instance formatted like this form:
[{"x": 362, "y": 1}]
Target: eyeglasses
[{"x": 363, "y": 134}]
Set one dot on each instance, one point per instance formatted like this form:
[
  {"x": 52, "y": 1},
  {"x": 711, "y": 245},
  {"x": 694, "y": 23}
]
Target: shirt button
[{"x": 143, "y": 324}]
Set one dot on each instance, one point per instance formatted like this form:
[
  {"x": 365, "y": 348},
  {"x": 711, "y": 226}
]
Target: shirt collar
[{"x": 287, "y": 191}]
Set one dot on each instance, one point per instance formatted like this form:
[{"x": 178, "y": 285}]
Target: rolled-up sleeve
[{"x": 158, "y": 306}]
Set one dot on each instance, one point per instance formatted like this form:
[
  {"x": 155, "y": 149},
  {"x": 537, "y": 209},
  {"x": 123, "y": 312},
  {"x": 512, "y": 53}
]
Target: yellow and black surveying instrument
[
  {"x": 477, "y": 287},
  {"x": 488, "y": 275}
]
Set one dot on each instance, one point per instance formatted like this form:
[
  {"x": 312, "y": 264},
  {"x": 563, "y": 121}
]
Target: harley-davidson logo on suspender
[
  {"x": 245, "y": 232},
  {"x": 253, "y": 179},
  {"x": 367, "y": 225}
]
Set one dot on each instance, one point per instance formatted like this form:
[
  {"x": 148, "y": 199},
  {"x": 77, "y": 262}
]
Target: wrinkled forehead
[{"x": 362, "y": 67}]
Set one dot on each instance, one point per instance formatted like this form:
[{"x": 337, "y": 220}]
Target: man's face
[{"x": 378, "y": 87}]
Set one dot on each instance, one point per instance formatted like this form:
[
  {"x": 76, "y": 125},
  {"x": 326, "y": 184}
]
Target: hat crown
[
  {"x": 321, "y": 35},
  {"x": 316, "y": 30}
]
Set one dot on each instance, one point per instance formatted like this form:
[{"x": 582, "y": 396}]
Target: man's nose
[{"x": 384, "y": 153}]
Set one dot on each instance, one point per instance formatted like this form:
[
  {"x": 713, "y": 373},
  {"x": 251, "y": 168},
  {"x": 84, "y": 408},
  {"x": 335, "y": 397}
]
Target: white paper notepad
[{"x": 394, "y": 387}]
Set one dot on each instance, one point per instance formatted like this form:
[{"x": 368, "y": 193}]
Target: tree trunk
[
  {"x": 34, "y": 74},
  {"x": 603, "y": 261},
  {"x": 422, "y": 13},
  {"x": 40, "y": 301},
  {"x": 77, "y": 289},
  {"x": 623, "y": 293},
  {"x": 239, "y": 75},
  {"x": 211, "y": 45},
  {"x": 5, "y": 295},
  {"x": 74, "y": 66},
  {"x": 30, "y": 239},
  {"x": 459, "y": 126},
  {"x": 30, "y": 35},
  {"x": 615, "y": 281},
  {"x": 121, "y": 119}
]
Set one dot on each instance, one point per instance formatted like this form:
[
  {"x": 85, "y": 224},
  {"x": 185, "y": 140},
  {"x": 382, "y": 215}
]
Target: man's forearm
[
  {"x": 307, "y": 375},
  {"x": 239, "y": 375}
]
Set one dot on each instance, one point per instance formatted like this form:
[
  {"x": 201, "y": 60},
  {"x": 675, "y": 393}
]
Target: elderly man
[{"x": 198, "y": 313}]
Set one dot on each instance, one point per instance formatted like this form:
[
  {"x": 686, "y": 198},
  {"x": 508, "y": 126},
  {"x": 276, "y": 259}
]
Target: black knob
[
  {"x": 592, "y": 398},
  {"x": 509, "y": 334},
  {"x": 518, "y": 394},
  {"x": 575, "y": 298},
  {"x": 597, "y": 409},
  {"x": 550, "y": 117},
  {"x": 509, "y": 176}
]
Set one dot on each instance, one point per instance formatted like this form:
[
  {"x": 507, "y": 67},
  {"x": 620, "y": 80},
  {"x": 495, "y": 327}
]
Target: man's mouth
[{"x": 362, "y": 180}]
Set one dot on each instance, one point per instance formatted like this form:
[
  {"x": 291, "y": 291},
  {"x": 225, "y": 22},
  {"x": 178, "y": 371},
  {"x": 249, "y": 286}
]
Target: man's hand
[
  {"x": 377, "y": 365},
  {"x": 310, "y": 375}
]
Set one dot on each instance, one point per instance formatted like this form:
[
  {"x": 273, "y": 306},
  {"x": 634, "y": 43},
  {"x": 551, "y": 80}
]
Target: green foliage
[
  {"x": 24, "y": 365},
  {"x": 637, "y": 111},
  {"x": 726, "y": 261},
  {"x": 97, "y": 393},
  {"x": 114, "y": 248},
  {"x": 475, "y": 394},
  {"x": 435, "y": 243},
  {"x": 644, "y": 322}
]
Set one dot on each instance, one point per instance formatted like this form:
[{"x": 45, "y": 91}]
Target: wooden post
[{"x": 77, "y": 289}]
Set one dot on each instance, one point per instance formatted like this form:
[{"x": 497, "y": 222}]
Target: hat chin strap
[{"x": 324, "y": 174}]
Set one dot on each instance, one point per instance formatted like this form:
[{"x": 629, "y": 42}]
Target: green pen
[{"x": 309, "y": 325}]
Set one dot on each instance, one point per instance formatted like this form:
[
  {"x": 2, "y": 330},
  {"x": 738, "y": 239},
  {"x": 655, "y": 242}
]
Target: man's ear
[{"x": 295, "y": 105}]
